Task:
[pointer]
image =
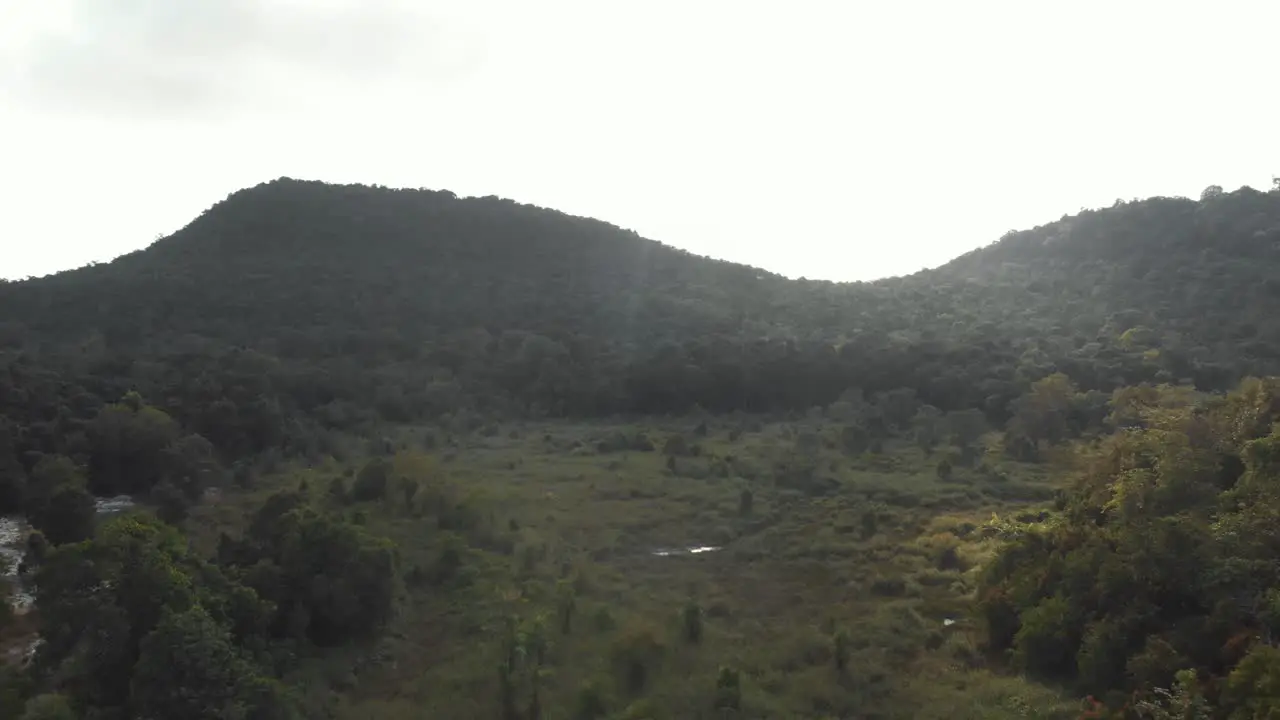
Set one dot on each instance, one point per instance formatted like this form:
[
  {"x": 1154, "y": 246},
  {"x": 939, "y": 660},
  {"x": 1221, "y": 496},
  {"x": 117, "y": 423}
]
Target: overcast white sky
[{"x": 838, "y": 139}]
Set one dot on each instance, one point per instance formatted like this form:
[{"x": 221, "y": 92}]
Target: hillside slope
[
  {"x": 350, "y": 412},
  {"x": 306, "y": 258},
  {"x": 316, "y": 298},
  {"x": 1195, "y": 280}
]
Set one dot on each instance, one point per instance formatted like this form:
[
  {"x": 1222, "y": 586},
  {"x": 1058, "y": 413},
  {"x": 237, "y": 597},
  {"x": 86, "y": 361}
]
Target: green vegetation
[
  {"x": 1156, "y": 578},
  {"x": 404, "y": 455}
]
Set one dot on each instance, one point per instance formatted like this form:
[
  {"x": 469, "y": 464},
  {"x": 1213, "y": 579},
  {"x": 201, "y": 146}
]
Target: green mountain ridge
[
  {"x": 388, "y": 441},
  {"x": 312, "y": 298},
  {"x": 395, "y": 270}
]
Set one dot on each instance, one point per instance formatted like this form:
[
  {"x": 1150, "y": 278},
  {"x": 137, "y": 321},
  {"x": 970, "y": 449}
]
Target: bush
[
  {"x": 637, "y": 652},
  {"x": 691, "y": 619},
  {"x": 591, "y": 703},
  {"x": 728, "y": 689},
  {"x": 1047, "y": 642},
  {"x": 371, "y": 481},
  {"x": 840, "y": 648},
  {"x": 68, "y": 516}
]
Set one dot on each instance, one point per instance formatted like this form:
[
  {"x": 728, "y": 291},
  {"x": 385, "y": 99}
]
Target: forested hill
[
  {"x": 390, "y": 269},
  {"x": 1193, "y": 281},
  {"x": 344, "y": 304},
  {"x": 365, "y": 371}
]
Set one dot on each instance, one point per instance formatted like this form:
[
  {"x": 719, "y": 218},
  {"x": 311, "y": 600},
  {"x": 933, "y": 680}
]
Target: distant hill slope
[
  {"x": 1196, "y": 282},
  {"x": 337, "y": 305},
  {"x": 305, "y": 257}
]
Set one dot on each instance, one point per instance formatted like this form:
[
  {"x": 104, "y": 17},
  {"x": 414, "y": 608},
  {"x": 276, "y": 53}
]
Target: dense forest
[{"x": 301, "y": 325}]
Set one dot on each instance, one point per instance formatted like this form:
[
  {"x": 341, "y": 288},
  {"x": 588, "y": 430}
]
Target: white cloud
[
  {"x": 152, "y": 59},
  {"x": 827, "y": 138}
]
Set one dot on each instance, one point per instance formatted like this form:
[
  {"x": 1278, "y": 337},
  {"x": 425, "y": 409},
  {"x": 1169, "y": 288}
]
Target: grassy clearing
[{"x": 840, "y": 587}]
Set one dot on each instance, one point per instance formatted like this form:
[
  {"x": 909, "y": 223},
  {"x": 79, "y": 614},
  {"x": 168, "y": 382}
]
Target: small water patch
[
  {"x": 13, "y": 547},
  {"x": 112, "y": 505},
  {"x": 13, "y": 550},
  {"x": 692, "y": 550}
]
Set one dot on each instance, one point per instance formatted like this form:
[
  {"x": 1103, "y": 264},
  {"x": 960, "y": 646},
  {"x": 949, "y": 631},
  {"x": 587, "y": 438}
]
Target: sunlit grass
[{"x": 877, "y": 548}]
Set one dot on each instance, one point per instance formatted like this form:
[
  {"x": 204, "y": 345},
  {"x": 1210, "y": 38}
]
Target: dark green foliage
[
  {"x": 868, "y": 525},
  {"x": 691, "y": 621},
  {"x": 592, "y": 702},
  {"x": 840, "y": 649},
  {"x": 58, "y": 504},
  {"x": 145, "y": 627},
  {"x": 371, "y": 481},
  {"x": 256, "y": 327},
  {"x": 338, "y": 491},
  {"x": 1154, "y": 565},
  {"x": 678, "y": 446},
  {"x": 13, "y": 477},
  {"x": 728, "y": 689},
  {"x": 1048, "y": 638},
  {"x": 944, "y": 469},
  {"x": 854, "y": 439},
  {"x": 15, "y": 689},
  {"x": 637, "y": 653},
  {"x": 327, "y": 578},
  {"x": 521, "y": 671},
  {"x": 190, "y": 465},
  {"x": 100, "y": 599},
  {"x": 294, "y": 314},
  {"x": 128, "y": 444},
  {"x": 171, "y": 503},
  {"x": 408, "y": 489},
  {"x": 567, "y": 604},
  {"x": 37, "y": 548},
  {"x": 68, "y": 515},
  {"x": 188, "y": 667}
]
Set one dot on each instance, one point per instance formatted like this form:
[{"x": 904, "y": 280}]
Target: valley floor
[{"x": 807, "y": 558}]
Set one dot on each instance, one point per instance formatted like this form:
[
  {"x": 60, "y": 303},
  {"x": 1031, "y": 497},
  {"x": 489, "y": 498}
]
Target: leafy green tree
[
  {"x": 1211, "y": 192},
  {"x": 371, "y": 481},
  {"x": 854, "y": 439},
  {"x": 68, "y": 516},
  {"x": 728, "y": 689},
  {"x": 127, "y": 444},
  {"x": 1044, "y": 414},
  {"x": 1253, "y": 688},
  {"x": 188, "y": 668},
  {"x": 341, "y": 578},
  {"x": 172, "y": 505},
  {"x": 58, "y": 503},
  {"x": 944, "y": 469},
  {"x": 13, "y": 477},
  {"x": 190, "y": 465},
  {"x": 99, "y": 598},
  {"x": 841, "y": 646},
  {"x": 567, "y": 604},
  {"x": 592, "y": 702},
  {"x": 691, "y": 619},
  {"x": 1160, "y": 559}
]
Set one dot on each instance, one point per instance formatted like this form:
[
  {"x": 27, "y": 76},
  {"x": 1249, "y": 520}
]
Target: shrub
[
  {"x": 728, "y": 689},
  {"x": 371, "y": 481},
  {"x": 691, "y": 619},
  {"x": 637, "y": 652}
]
